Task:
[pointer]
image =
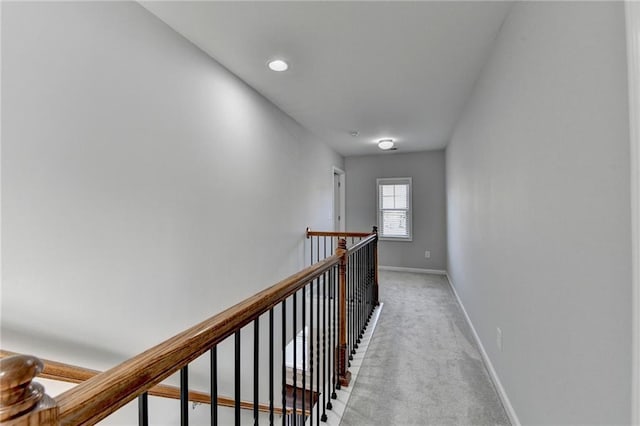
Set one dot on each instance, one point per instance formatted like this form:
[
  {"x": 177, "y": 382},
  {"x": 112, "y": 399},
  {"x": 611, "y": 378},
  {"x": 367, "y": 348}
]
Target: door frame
[
  {"x": 342, "y": 197},
  {"x": 632, "y": 13}
]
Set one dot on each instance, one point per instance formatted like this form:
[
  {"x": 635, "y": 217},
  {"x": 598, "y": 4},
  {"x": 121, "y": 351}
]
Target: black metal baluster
[
  {"x": 367, "y": 284},
  {"x": 355, "y": 302},
  {"x": 143, "y": 410},
  {"x": 334, "y": 336},
  {"x": 311, "y": 348},
  {"x": 330, "y": 353},
  {"x": 284, "y": 367},
  {"x": 370, "y": 271},
  {"x": 359, "y": 299},
  {"x": 295, "y": 358},
  {"x": 318, "y": 249},
  {"x": 271, "y": 366},
  {"x": 318, "y": 347},
  {"x": 184, "y": 396},
  {"x": 356, "y": 316},
  {"x": 237, "y": 378},
  {"x": 304, "y": 349},
  {"x": 324, "y": 347},
  {"x": 362, "y": 295},
  {"x": 214, "y": 385},
  {"x": 333, "y": 295},
  {"x": 350, "y": 312},
  {"x": 256, "y": 366},
  {"x": 357, "y": 285}
]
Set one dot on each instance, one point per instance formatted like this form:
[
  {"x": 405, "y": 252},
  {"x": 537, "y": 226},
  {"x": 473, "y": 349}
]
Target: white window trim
[{"x": 396, "y": 181}]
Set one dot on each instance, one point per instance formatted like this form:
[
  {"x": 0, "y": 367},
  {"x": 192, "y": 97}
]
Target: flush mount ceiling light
[
  {"x": 385, "y": 144},
  {"x": 278, "y": 65}
]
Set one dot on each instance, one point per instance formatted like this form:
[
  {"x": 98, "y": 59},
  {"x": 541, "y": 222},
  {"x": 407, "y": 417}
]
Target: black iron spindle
[
  {"x": 304, "y": 348},
  {"x": 318, "y": 347},
  {"x": 256, "y": 366},
  {"x": 284, "y": 369},
  {"x": 295, "y": 358},
  {"x": 360, "y": 280},
  {"x": 354, "y": 304},
  {"x": 311, "y": 349},
  {"x": 271, "y": 366},
  {"x": 324, "y": 347},
  {"x": 350, "y": 312},
  {"x": 184, "y": 396},
  {"x": 334, "y": 338},
  {"x": 330, "y": 350},
  {"x": 143, "y": 409},
  {"x": 214, "y": 385},
  {"x": 237, "y": 378}
]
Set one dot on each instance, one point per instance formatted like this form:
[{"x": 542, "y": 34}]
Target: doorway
[{"x": 338, "y": 200}]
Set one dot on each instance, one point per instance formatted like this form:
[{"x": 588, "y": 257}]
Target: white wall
[
  {"x": 144, "y": 187},
  {"x": 632, "y": 15},
  {"x": 539, "y": 212},
  {"x": 429, "y": 210}
]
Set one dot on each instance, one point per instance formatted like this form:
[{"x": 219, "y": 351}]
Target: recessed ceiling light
[
  {"x": 278, "y": 65},
  {"x": 385, "y": 144}
]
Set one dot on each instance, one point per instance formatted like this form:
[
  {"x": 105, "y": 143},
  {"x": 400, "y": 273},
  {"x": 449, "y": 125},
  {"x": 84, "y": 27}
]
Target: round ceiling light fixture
[
  {"x": 385, "y": 144},
  {"x": 278, "y": 65}
]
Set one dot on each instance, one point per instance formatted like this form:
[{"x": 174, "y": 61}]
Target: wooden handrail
[
  {"x": 93, "y": 400},
  {"x": 338, "y": 234},
  {"x": 98, "y": 394},
  {"x": 354, "y": 248},
  {"x": 68, "y": 373}
]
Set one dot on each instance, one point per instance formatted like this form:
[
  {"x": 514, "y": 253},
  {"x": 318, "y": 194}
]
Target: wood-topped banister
[
  {"x": 68, "y": 373},
  {"x": 339, "y": 234},
  {"x": 93, "y": 400},
  {"x": 99, "y": 394},
  {"x": 362, "y": 243}
]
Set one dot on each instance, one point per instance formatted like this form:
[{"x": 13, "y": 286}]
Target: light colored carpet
[{"x": 422, "y": 366}]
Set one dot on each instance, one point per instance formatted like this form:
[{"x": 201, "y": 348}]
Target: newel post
[
  {"x": 344, "y": 375},
  {"x": 376, "y": 301},
  {"x": 22, "y": 401}
]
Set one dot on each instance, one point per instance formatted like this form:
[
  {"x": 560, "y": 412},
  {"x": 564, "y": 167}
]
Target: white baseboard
[
  {"x": 415, "y": 270},
  {"x": 513, "y": 417}
]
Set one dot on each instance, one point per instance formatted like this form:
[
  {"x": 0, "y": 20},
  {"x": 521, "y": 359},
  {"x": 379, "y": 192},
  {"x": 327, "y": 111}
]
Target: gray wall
[
  {"x": 144, "y": 187},
  {"x": 538, "y": 212},
  {"x": 429, "y": 216}
]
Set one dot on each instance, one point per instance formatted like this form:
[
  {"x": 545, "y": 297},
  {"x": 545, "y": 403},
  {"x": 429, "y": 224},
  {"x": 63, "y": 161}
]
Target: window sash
[{"x": 394, "y": 208}]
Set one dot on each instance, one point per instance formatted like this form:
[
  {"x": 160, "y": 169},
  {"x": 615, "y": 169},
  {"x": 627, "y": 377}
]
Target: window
[{"x": 394, "y": 208}]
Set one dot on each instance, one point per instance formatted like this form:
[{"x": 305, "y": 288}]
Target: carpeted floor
[{"x": 422, "y": 366}]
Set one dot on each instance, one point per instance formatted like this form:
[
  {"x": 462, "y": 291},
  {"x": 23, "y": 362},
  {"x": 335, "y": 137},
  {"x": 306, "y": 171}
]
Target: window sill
[{"x": 400, "y": 239}]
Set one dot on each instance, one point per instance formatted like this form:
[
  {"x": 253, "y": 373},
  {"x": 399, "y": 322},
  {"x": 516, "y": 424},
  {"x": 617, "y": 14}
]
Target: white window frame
[{"x": 396, "y": 181}]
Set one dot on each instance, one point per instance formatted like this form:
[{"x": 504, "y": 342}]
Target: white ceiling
[{"x": 400, "y": 70}]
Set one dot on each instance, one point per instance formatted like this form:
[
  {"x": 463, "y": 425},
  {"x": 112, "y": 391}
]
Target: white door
[{"x": 337, "y": 205}]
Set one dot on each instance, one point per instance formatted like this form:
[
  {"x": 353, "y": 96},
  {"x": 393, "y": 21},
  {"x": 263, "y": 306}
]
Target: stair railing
[
  {"x": 305, "y": 302},
  {"x": 62, "y": 372}
]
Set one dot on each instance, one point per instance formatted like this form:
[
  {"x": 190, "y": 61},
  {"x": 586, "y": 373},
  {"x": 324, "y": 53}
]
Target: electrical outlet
[
  {"x": 427, "y": 254},
  {"x": 499, "y": 338}
]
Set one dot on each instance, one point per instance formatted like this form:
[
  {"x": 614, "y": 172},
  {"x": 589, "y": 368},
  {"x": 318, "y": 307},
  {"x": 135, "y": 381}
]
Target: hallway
[{"x": 422, "y": 365}]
